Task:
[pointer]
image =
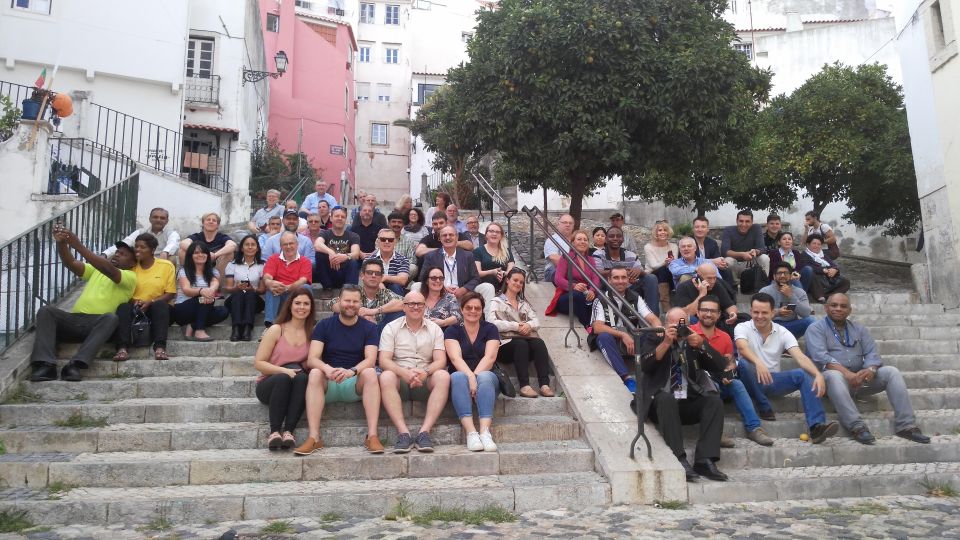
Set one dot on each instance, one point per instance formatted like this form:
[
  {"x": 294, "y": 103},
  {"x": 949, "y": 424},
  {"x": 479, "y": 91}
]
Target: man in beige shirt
[{"x": 414, "y": 365}]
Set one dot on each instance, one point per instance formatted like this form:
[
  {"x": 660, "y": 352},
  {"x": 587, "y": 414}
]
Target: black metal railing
[
  {"x": 31, "y": 273},
  {"x": 202, "y": 90},
  {"x": 485, "y": 189},
  {"x": 209, "y": 167},
  {"x": 81, "y": 167},
  {"x": 16, "y": 92},
  {"x": 604, "y": 293}
]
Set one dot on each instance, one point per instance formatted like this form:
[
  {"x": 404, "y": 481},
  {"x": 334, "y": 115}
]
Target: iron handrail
[
  {"x": 508, "y": 212},
  {"x": 635, "y": 332}
]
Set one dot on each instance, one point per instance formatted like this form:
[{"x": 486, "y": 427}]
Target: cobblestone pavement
[
  {"x": 881, "y": 517},
  {"x": 865, "y": 276}
]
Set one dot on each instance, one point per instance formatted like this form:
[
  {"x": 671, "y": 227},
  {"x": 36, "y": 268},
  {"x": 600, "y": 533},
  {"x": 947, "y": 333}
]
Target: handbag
[
  {"x": 140, "y": 329},
  {"x": 506, "y": 385},
  {"x": 752, "y": 279}
]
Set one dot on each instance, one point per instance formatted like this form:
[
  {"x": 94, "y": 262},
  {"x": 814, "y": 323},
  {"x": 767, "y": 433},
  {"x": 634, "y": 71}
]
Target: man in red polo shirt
[
  {"x": 708, "y": 312},
  {"x": 283, "y": 272}
]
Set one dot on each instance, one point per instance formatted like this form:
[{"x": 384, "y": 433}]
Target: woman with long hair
[
  {"x": 517, "y": 322},
  {"x": 494, "y": 258},
  {"x": 198, "y": 282},
  {"x": 404, "y": 204},
  {"x": 415, "y": 228},
  {"x": 441, "y": 306},
  {"x": 659, "y": 252},
  {"x": 443, "y": 201},
  {"x": 244, "y": 283},
  {"x": 472, "y": 349},
  {"x": 280, "y": 359},
  {"x": 582, "y": 275}
]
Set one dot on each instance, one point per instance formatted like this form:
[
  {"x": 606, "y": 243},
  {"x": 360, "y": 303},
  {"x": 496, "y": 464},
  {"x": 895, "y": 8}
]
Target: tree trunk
[
  {"x": 577, "y": 188},
  {"x": 819, "y": 205}
]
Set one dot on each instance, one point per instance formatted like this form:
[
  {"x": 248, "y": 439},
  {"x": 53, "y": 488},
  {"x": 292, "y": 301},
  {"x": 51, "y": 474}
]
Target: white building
[
  {"x": 159, "y": 82},
  {"x": 927, "y": 42}
]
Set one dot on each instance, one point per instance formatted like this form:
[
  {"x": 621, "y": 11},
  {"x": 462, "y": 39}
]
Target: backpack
[{"x": 753, "y": 279}]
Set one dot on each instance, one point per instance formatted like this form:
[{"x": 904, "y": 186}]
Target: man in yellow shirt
[
  {"x": 156, "y": 288},
  {"x": 93, "y": 319}
]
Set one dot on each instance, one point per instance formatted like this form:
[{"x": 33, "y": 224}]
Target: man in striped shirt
[{"x": 396, "y": 266}]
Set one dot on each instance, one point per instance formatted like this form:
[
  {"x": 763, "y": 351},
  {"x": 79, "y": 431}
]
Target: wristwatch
[{"x": 354, "y": 370}]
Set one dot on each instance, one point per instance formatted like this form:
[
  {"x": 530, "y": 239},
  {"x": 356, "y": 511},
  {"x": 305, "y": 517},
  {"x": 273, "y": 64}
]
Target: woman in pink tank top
[{"x": 280, "y": 358}]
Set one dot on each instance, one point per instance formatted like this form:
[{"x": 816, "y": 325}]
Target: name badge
[{"x": 680, "y": 394}]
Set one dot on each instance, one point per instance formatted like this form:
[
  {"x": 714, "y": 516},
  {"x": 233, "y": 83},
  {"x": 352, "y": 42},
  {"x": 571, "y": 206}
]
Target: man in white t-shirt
[
  {"x": 815, "y": 226},
  {"x": 760, "y": 342},
  {"x": 551, "y": 253}
]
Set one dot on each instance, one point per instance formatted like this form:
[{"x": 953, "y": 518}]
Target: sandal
[
  {"x": 121, "y": 356},
  {"x": 274, "y": 441},
  {"x": 288, "y": 441},
  {"x": 546, "y": 391},
  {"x": 160, "y": 354}
]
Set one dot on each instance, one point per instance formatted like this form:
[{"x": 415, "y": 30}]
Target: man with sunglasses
[
  {"x": 379, "y": 305},
  {"x": 397, "y": 266},
  {"x": 852, "y": 367}
]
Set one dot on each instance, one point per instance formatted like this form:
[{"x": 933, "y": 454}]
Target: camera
[{"x": 683, "y": 331}]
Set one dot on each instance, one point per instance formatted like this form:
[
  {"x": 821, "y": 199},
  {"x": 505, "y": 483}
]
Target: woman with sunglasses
[
  {"x": 472, "y": 348},
  {"x": 493, "y": 259},
  {"x": 517, "y": 322},
  {"x": 582, "y": 275},
  {"x": 441, "y": 306}
]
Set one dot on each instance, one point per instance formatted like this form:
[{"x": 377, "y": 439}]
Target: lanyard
[{"x": 846, "y": 334}]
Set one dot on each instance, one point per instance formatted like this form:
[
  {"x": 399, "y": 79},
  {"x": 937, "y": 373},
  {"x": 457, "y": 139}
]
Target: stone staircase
[
  {"x": 920, "y": 340},
  {"x": 183, "y": 440}
]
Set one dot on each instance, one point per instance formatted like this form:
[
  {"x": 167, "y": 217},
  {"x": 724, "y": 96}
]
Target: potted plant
[{"x": 31, "y": 106}]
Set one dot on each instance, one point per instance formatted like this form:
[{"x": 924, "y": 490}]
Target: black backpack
[{"x": 753, "y": 279}]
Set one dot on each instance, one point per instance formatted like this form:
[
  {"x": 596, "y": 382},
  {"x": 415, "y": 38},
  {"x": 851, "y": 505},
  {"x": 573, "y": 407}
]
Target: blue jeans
[
  {"x": 581, "y": 308},
  {"x": 487, "y": 388},
  {"x": 646, "y": 287},
  {"x": 610, "y": 347},
  {"x": 784, "y": 382},
  {"x": 806, "y": 276},
  {"x": 329, "y": 278},
  {"x": 797, "y": 327},
  {"x": 741, "y": 399},
  {"x": 397, "y": 288},
  {"x": 272, "y": 303}
]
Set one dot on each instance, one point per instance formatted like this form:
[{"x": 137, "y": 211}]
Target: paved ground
[
  {"x": 882, "y": 517},
  {"x": 865, "y": 276}
]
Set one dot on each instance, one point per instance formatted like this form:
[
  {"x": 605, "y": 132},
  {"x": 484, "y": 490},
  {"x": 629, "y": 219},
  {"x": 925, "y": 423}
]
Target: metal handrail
[
  {"x": 640, "y": 404},
  {"x": 508, "y": 212}
]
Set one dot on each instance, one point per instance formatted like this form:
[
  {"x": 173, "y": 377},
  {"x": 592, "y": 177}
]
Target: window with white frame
[
  {"x": 36, "y": 6},
  {"x": 200, "y": 57},
  {"x": 391, "y": 14},
  {"x": 383, "y": 93},
  {"x": 363, "y": 91},
  {"x": 391, "y": 54},
  {"x": 378, "y": 133},
  {"x": 273, "y": 22},
  {"x": 363, "y": 53},
  {"x": 745, "y": 48},
  {"x": 368, "y": 13},
  {"x": 305, "y": 4}
]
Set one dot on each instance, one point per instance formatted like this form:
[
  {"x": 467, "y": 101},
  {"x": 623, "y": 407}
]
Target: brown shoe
[
  {"x": 526, "y": 391},
  {"x": 373, "y": 445},
  {"x": 760, "y": 437},
  {"x": 727, "y": 442},
  {"x": 308, "y": 447},
  {"x": 546, "y": 391}
]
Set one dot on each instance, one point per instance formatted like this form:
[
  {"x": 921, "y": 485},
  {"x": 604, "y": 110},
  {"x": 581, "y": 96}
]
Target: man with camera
[
  {"x": 608, "y": 333},
  {"x": 682, "y": 393},
  {"x": 760, "y": 342},
  {"x": 708, "y": 312},
  {"x": 852, "y": 366},
  {"x": 794, "y": 311}
]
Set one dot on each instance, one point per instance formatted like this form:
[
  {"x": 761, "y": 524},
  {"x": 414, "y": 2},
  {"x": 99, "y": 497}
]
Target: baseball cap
[
  {"x": 123, "y": 245},
  {"x": 617, "y": 215},
  {"x": 290, "y": 213}
]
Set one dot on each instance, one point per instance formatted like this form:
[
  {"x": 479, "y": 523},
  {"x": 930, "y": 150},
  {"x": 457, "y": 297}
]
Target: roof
[
  {"x": 211, "y": 128},
  {"x": 783, "y": 29},
  {"x": 309, "y": 15},
  {"x": 444, "y": 74}
]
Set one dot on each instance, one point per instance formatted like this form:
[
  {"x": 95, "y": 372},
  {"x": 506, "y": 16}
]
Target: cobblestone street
[{"x": 881, "y": 517}]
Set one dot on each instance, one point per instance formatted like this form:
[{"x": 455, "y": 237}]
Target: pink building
[{"x": 316, "y": 94}]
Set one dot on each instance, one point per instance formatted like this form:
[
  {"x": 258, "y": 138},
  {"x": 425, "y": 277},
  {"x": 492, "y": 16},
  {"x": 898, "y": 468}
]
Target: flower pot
[{"x": 31, "y": 109}]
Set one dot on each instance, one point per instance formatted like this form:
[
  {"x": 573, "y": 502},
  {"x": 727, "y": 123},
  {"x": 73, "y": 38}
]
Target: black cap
[
  {"x": 290, "y": 213},
  {"x": 618, "y": 215}
]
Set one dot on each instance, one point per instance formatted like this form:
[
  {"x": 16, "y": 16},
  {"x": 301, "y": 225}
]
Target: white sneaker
[
  {"x": 474, "y": 443},
  {"x": 487, "y": 439}
]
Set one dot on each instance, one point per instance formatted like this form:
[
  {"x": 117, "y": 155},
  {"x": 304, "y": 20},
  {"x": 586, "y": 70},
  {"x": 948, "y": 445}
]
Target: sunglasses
[
  {"x": 382, "y": 239},
  {"x": 471, "y": 308},
  {"x": 435, "y": 278},
  {"x": 372, "y": 273}
]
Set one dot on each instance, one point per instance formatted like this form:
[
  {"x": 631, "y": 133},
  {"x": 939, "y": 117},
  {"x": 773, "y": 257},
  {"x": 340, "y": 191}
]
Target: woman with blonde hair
[
  {"x": 404, "y": 204},
  {"x": 582, "y": 274},
  {"x": 658, "y": 253},
  {"x": 494, "y": 258}
]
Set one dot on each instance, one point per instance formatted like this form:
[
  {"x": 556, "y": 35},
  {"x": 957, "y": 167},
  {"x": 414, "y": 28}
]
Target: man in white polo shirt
[{"x": 760, "y": 342}]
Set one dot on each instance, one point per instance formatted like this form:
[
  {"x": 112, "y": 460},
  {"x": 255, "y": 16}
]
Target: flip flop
[
  {"x": 121, "y": 356},
  {"x": 160, "y": 354}
]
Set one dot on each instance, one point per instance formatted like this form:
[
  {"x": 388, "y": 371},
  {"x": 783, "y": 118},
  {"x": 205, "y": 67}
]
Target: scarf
[
  {"x": 414, "y": 228},
  {"x": 819, "y": 258}
]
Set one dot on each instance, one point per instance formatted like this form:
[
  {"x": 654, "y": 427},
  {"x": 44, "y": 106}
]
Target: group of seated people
[{"x": 712, "y": 351}]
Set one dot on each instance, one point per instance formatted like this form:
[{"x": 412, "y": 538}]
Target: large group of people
[{"x": 428, "y": 306}]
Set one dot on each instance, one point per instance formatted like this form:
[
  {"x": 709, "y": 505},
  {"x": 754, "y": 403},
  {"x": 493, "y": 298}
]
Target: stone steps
[
  {"x": 209, "y": 467},
  {"x": 823, "y": 482},
  {"x": 880, "y": 423},
  {"x": 904, "y": 362},
  {"x": 278, "y": 500},
  {"x": 905, "y": 319},
  {"x": 861, "y": 310},
  {"x": 837, "y": 451},
  {"x": 921, "y": 398}
]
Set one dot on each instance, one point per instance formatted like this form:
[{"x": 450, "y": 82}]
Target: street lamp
[{"x": 281, "y": 61}]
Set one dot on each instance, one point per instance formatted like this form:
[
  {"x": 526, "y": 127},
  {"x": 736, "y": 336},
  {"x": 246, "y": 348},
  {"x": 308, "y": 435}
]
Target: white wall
[{"x": 185, "y": 201}]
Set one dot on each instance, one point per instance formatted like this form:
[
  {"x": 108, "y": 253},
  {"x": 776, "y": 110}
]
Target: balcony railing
[
  {"x": 203, "y": 90},
  {"x": 81, "y": 167}
]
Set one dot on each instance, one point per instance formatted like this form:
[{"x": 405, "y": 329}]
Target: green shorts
[
  {"x": 345, "y": 392},
  {"x": 420, "y": 393}
]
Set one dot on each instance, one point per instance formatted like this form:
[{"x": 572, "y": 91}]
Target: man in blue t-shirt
[{"x": 342, "y": 360}]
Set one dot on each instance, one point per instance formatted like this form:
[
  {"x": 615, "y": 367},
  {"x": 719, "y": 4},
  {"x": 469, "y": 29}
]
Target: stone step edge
[{"x": 197, "y": 504}]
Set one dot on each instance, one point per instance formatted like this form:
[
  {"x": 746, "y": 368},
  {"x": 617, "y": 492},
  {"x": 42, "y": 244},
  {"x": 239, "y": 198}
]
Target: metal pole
[{"x": 570, "y": 313}]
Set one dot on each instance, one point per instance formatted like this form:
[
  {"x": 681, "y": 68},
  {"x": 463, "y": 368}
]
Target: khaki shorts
[{"x": 420, "y": 393}]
